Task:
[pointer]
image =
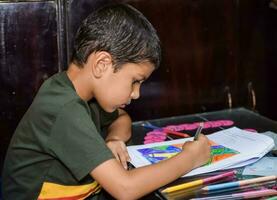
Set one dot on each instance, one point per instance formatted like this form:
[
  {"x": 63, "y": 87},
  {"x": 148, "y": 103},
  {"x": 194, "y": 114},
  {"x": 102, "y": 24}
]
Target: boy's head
[{"x": 120, "y": 30}]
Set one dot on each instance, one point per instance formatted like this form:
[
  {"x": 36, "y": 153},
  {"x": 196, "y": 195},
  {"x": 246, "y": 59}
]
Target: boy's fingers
[
  {"x": 123, "y": 160},
  {"x": 203, "y": 136},
  {"x": 127, "y": 156},
  {"x": 125, "y": 152},
  {"x": 120, "y": 158},
  {"x": 116, "y": 155},
  {"x": 120, "y": 152}
]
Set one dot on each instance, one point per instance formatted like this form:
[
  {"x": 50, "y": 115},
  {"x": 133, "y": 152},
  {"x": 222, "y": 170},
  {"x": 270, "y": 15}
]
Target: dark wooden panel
[
  {"x": 28, "y": 55},
  {"x": 257, "y": 46},
  {"x": 270, "y": 63},
  {"x": 199, "y": 56}
]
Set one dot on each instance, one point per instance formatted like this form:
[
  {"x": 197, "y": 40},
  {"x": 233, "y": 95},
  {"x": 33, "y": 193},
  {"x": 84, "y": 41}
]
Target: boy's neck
[{"x": 80, "y": 81}]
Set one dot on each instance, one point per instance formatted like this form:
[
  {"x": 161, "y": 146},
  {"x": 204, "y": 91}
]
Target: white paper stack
[{"x": 249, "y": 148}]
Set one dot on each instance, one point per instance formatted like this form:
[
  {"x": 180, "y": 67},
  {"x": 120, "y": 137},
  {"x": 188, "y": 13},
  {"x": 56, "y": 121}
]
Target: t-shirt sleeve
[{"x": 76, "y": 142}]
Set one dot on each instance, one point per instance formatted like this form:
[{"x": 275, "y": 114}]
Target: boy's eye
[{"x": 137, "y": 82}]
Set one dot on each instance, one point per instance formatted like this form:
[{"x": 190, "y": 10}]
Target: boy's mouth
[{"x": 124, "y": 105}]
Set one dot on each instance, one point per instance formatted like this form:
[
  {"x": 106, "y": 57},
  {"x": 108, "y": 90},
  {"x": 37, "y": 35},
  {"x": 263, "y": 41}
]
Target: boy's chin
[
  {"x": 113, "y": 108},
  {"x": 110, "y": 110}
]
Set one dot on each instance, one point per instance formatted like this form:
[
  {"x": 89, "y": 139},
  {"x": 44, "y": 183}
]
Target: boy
[{"x": 57, "y": 151}]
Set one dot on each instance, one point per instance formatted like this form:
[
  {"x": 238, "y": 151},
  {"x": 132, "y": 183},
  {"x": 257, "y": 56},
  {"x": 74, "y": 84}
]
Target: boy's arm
[
  {"x": 133, "y": 184},
  {"x": 120, "y": 129},
  {"x": 118, "y": 133}
]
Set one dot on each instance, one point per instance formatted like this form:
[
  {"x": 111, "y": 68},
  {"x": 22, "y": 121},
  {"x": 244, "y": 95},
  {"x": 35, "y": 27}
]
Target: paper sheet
[
  {"x": 238, "y": 148},
  {"x": 264, "y": 167}
]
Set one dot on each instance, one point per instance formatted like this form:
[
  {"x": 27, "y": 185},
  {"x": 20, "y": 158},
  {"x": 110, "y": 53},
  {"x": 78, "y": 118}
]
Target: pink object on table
[{"x": 184, "y": 127}]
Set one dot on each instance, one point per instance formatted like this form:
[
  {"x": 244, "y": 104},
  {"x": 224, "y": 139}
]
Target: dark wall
[
  {"x": 28, "y": 55},
  {"x": 200, "y": 45},
  {"x": 216, "y": 55},
  {"x": 257, "y": 28}
]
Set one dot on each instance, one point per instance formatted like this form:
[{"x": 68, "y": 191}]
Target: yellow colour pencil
[
  {"x": 198, "y": 182},
  {"x": 183, "y": 186}
]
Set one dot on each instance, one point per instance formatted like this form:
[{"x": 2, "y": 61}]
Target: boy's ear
[{"x": 100, "y": 62}]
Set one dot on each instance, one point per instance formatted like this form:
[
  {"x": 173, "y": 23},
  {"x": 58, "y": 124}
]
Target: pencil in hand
[{"x": 199, "y": 129}]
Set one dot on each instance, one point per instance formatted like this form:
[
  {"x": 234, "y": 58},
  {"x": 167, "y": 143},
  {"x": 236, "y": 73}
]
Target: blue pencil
[{"x": 268, "y": 184}]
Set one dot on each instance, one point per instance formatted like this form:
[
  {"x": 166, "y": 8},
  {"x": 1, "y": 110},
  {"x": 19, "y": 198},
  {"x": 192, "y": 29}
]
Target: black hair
[{"x": 122, "y": 31}]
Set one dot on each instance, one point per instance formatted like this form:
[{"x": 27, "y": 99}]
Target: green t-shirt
[{"x": 56, "y": 145}]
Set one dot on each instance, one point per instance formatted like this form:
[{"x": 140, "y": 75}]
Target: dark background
[{"x": 217, "y": 54}]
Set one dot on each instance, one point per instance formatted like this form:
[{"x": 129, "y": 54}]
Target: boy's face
[{"x": 118, "y": 88}]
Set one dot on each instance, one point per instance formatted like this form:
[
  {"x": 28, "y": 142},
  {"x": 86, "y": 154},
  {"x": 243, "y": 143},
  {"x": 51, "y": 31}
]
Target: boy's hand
[
  {"x": 119, "y": 150},
  {"x": 199, "y": 150}
]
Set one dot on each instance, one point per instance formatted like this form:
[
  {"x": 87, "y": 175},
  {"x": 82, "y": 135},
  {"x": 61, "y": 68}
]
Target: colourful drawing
[
  {"x": 220, "y": 152},
  {"x": 159, "y": 153}
]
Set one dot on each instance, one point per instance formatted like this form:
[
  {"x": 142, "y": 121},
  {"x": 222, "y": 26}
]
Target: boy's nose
[{"x": 136, "y": 92}]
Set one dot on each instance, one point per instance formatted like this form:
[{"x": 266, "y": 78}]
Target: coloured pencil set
[{"x": 210, "y": 189}]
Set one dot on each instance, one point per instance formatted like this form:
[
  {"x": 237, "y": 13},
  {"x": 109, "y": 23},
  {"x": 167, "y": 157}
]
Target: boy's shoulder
[
  {"x": 58, "y": 81},
  {"x": 58, "y": 93},
  {"x": 58, "y": 86}
]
